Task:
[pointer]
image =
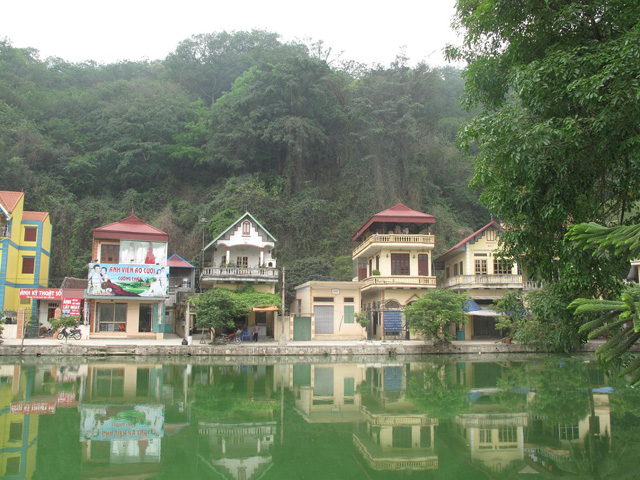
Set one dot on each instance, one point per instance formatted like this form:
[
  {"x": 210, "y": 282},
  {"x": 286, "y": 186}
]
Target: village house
[
  {"x": 474, "y": 266},
  {"x": 240, "y": 257},
  {"x": 392, "y": 267},
  {"x": 128, "y": 281},
  {"x": 25, "y": 252}
]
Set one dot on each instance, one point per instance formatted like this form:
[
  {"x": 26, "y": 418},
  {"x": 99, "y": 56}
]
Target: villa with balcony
[
  {"x": 243, "y": 256},
  {"x": 475, "y": 267},
  {"x": 393, "y": 261}
]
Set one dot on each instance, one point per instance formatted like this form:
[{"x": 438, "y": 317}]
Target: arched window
[
  {"x": 246, "y": 228},
  {"x": 391, "y": 304}
]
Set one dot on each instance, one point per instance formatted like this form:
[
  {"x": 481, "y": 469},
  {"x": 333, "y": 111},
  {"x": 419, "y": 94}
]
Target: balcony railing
[
  {"x": 4, "y": 231},
  {"x": 237, "y": 273},
  {"x": 484, "y": 281},
  {"x": 398, "y": 280},
  {"x": 406, "y": 239}
]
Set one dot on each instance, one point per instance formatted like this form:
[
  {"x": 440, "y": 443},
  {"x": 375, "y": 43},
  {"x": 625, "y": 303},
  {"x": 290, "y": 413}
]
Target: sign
[
  {"x": 71, "y": 306},
  {"x": 66, "y": 398},
  {"x": 128, "y": 280},
  {"x": 41, "y": 293},
  {"x": 35, "y": 408},
  {"x": 335, "y": 291},
  {"x": 121, "y": 422}
]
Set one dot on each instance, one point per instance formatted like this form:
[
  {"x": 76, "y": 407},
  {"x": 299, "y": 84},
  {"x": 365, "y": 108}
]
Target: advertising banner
[
  {"x": 128, "y": 280},
  {"x": 121, "y": 422},
  {"x": 41, "y": 293},
  {"x": 71, "y": 306},
  {"x": 34, "y": 408}
]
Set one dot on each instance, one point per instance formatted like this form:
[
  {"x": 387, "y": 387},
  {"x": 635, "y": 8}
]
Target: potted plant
[{"x": 375, "y": 272}]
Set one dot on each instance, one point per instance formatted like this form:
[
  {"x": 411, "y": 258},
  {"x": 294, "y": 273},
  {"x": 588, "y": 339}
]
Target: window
[
  {"x": 461, "y": 270},
  {"x": 568, "y": 432},
  {"x": 349, "y": 387},
  {"x": 348, "y": 314},
  {"x": 447, "y": 271},
  {"x": 501, "y": 267},
  {"x": 481, "y": 267},
  {"x": 28, "y": 264},
  {"x": 108, "y": 382},
  {"x": 400, "y": 264},
  {"x": 13, "y": 466},
  {"x": 246, "y": 228},
  {"x": 491, "y": 235},
  {"x": 112, "y": 317},
  {"x": 323, "y": 299},
  {"x": 242, "y": 262},
  {"x": 348, "y": 299},
  {"x": 508, "y": 434},
  {"x": 455, "y": 270},
  {"x": 30, "y": 234},
  {"x": 223, "y": 260},
  {"x": 15, "y": 432},
  {"x": 109, "y": 253},
  {"x": 485, "y": 436}
]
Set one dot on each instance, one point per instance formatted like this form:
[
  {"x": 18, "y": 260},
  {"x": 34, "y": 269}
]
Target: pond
[{"x": 440, "y": 417}]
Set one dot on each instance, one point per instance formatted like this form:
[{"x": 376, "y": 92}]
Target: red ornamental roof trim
[
  {"x": 466, "y": 239},
  {"x": 130, "y": 228},
  {"x": 399, "y": 213}
]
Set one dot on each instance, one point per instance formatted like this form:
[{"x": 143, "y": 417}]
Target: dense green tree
[
  {"x": 558, "y": 132},
  {"x": 435, "y": 311}
]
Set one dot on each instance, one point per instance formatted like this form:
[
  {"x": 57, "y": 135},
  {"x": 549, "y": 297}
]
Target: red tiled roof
[
  {"x": 9, "y": 200},
  {"x": 37, "y": 216},
  {"x": 466, "y": 239},
  {"x": 176, "y": 260},
  {"x": 131, "y": 228},
  {"x": 399, "y": 213}
]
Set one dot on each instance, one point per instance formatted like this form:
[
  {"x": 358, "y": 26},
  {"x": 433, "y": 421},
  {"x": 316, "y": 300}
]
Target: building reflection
[{"x": 122, "y": 418}]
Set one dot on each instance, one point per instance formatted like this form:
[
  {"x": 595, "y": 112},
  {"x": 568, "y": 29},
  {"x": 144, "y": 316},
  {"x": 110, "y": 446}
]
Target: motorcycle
[{"x": 73, "y": 333}]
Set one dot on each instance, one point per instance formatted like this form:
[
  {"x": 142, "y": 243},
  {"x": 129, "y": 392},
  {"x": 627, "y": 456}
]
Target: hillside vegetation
[{"x": 309, "y": 144}]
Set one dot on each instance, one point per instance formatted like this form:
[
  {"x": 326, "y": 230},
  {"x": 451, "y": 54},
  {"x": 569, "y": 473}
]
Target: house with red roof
[
  {"x": 393, "y": 265},
  {"x": 25, "y": 252},
  {"x": 474, "y": 266},
  {"x": 128, "y": 281}
]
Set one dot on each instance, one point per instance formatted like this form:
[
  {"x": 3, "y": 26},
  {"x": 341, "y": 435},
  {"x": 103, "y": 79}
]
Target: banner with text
[{"x": 128, "y": 280}]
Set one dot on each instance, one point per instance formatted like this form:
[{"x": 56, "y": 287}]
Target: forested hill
[{"x": 230, "y": 122}]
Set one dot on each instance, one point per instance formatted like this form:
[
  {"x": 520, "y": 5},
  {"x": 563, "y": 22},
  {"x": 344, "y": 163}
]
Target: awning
[
  {"x": 485, "y": 313},
  {"x": 272, "y": 308}
]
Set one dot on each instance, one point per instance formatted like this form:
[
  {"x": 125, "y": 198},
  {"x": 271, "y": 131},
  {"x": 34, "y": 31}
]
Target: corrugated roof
[
  {"x": 466, "y": 239},
  {"x": 9, "y": 200},
  {"x": 35, "y": 216},
  {"x": 176, "y": 260},
  {"x": 399, "y": 213},
  {"x": 131, "y": 228}
]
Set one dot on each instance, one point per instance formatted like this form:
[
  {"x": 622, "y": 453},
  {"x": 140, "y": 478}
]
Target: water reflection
[{"x": 266, "y": 419}]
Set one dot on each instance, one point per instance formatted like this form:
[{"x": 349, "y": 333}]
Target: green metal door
[{"x": 302, "y": 328}]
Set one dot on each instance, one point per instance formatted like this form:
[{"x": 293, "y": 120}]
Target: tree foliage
[
  {"x": 433, "y": 313},
  {"x": 557, "y": 135}
]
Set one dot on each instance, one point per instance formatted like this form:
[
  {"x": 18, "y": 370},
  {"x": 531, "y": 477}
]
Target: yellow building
[
  {"x": 393, "y": 261},
  {"x": 473, "y": 266},
  {"x": 25, "y": 246}
]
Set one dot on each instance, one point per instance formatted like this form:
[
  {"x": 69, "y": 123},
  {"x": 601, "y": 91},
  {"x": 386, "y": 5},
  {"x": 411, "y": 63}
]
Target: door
[
  {"x": 423, "y": 264},
  {"x": 324, "y": 318},
  {"x": 400, "y": 264},
  {"x": 302, "y": 328},
  {"x": 484, "y": 327},
  {"x": 144, "y": 318}
]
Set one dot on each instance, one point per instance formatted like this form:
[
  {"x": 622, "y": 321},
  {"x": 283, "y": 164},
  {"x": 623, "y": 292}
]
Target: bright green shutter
[{"x": 348, "y": 313}]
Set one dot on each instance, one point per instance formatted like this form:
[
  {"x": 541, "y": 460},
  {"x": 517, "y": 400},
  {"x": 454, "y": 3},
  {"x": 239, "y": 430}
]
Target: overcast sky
[{"x": 366, "y": 31}]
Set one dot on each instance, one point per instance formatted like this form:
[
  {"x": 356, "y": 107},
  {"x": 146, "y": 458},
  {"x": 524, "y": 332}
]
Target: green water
[{"x": 268, "y": 418}]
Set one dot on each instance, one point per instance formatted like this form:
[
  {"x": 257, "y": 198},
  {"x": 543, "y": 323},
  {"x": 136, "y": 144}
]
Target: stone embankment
[{"x": 295, "y": 349}]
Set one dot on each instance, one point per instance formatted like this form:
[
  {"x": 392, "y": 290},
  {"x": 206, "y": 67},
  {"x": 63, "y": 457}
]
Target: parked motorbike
[
  {"x": 73, "y": 333},
  {"x": 232, "y": 337}
]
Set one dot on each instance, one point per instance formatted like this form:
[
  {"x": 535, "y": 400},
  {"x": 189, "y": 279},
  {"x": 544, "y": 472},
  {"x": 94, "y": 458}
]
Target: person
[
  {"x": 256, "y": 331},
  {"x": 158, "y": 287},
  {"x": 112, "y": 288},
  {"x": 95, "y": 280},
  {"x": 238, "y": 333},
  {"x": 150, "y": 259}
]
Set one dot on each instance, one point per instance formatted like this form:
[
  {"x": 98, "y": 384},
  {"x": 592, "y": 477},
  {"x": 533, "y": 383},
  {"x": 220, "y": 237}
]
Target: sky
[{"x": 106, "y": 32}]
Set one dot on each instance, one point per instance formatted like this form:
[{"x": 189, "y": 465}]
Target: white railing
[
  {"x": 237, "y": 272},
  {"x": 398, "y": 280},
  {"x": 394, "y": 238},
  {"x": 513, "y": 281},
  {"x": 530, "y": 285}
]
